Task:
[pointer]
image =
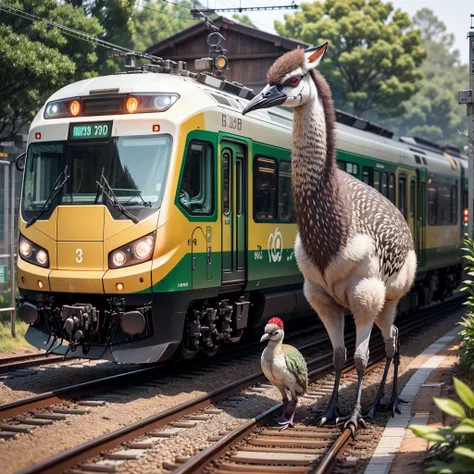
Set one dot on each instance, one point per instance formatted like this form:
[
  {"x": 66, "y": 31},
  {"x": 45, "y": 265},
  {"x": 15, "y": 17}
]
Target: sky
[{"x": 454, "y": 13}]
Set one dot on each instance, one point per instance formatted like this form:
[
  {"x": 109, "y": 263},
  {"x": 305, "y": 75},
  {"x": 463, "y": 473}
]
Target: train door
[
  {"x": 407, "y": 200},
  {"x": 234, "y": 210}
]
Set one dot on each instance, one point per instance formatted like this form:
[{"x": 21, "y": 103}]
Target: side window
[
  {"x": 432, "y": 204},
  {"x": 412, "y": 198},
  {"x": 352, "y": 168},
  {"x": 285, "y": 199},
  {"x": 454, "y": 204},
  {"x": 444, "y": 204},
  {"x": 366, "y": 175},
  {"x": 341, "y": 165},
  {"x": 196, "y": 193},
  {"x": 385, "y": 185},
  {"x": 402, "y": 195},
  {"x": 377, "y": 180},
  {"x": 226, "y": 176},
  {"x": 391, "y": 187},
  {"x": 265, "y": 183}
]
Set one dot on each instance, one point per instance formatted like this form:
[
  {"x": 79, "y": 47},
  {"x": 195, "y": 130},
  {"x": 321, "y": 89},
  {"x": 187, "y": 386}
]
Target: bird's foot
[
  {"x": 372, "y": 410},
  {"x": 280, "y": 419},
  {"x": 394, "y": 405},
  {"x": 353, "y": 420},
  {"x": 332, "y": 413}
]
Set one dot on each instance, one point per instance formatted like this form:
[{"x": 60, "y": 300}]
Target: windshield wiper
[
  {"x": 112, "y": 198},
  {"x": 61, "y": 180},
  {"x": 139, "y": 194}
]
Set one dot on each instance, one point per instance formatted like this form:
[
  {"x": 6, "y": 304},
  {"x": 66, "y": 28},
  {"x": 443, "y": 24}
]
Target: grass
[{"x": 7, "y": 342}]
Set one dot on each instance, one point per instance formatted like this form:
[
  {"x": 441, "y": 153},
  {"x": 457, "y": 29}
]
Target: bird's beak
[
  {"x": 269, "y": 97},
  {"x": 265, "y": 337}
]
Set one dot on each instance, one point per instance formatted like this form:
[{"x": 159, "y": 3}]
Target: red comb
[{"x": 276, "y": 321}]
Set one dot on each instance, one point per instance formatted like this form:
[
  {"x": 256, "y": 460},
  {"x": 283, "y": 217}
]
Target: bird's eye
[{"x": 294, "y": 81}]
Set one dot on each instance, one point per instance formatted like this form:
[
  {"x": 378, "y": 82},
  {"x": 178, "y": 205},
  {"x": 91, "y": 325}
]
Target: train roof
[{"x": 204, "y": 91}]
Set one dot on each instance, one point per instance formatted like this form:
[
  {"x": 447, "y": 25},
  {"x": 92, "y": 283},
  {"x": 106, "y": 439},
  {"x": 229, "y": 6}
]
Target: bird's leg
[
  {"x": 395, "y": 400},
  {"x": 377, "y": 406},
  {"x": 332, "y": 317},
  {"x": 390, "y": 336},
  {"x": 292, "y": 404},
  {"x": 282, "y": 417},
  {"x": 361, "y": 358}
]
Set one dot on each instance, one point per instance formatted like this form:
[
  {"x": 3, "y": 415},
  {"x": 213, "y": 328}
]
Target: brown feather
[{"x": 285, "y": 64}]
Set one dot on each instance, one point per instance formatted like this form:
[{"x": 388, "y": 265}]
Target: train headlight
[
  {"x": 33, "y": 253},
  {"x": 61, "y": 108},
  {"x": 138, "y": 251}
]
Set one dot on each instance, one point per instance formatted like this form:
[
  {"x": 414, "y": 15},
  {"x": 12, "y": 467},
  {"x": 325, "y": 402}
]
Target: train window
[
  {"x": 285, "y": 202},
  {"x": 391, "y": 187},
  {"x": 432, "y": 204},
  {"x": 366, "y": 175},
  {"x": 352, "y": 168},
  {"x": 402, "y": 195},
  {"x": 341, "y": 165},
  {"x": 226, "y": 176},
  {"x": 444, "y": 204},
  {"x": 240, "y": 188},
  {"x": 377, "y": 180},
  {"x": 454, "y": 204},
  {"x": 385, "y": 184},
  {"x": 265, "y": 183},
  {"x": 412, "y": 197},
  {"x": 196, "y": 193}
]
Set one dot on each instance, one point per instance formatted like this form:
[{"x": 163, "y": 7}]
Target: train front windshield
[{"x": 135, "y": 167}]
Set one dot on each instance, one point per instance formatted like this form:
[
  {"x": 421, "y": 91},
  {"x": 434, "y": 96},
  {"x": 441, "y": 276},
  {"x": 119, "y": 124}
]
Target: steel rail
[{"x": 11, "y": 364}]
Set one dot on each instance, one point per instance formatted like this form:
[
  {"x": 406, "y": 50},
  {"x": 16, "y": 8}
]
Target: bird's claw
[
  {"x": 394, "y": 405},
  {"x": 372, "y": 410},
  {"x": 280, "y": 419},
  {"x": 331, "y": 413},
  {"x": 353, "y": 420}
]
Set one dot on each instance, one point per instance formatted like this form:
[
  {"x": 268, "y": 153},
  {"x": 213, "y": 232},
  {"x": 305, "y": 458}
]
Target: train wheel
[
  {"x": 185, "y": 353},
  {"x": 211, "y": 351}
]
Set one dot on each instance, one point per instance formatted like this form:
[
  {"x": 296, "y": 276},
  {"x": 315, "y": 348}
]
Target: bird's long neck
[{"x": 321, "y": 215}]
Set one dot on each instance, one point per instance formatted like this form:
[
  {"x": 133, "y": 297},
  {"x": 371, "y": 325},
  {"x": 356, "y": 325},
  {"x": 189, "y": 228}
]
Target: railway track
[
  {"x": 142, "y": 375},
  {"x": 302, "y": 449},
  {"x": 11, "y": 364}
]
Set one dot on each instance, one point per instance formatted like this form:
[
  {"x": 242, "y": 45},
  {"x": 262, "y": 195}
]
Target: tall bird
[
  {"x": 285, "y": 367},
  {"x": 353, "y": 246}
]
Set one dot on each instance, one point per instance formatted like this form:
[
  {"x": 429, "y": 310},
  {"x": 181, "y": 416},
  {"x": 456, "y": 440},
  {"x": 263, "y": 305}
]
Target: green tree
[
  {"x": 373, "y": 56},
  {"x": 116, "y": 20},
  {"x": 36, "y": 58},
  {"x": 244, "y": 19},
  {"x": 155, "y": 21},
  {"x": 433, "y": 112}
]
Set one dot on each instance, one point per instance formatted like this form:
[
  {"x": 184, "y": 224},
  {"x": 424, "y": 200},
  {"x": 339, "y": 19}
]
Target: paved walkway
[{"x": 399, "y": 451}]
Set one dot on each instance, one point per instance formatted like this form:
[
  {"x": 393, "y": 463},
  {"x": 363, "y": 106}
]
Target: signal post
[{"x": 466, "y": 97}]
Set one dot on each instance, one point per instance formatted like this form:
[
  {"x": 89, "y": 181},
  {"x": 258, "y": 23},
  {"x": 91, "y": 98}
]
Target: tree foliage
[
  {"x": 434, "y": 112},
  {"x": 373, "y": 56},
  {"x": 36, "y": 59},
  {"x": 155, "y": 21}
]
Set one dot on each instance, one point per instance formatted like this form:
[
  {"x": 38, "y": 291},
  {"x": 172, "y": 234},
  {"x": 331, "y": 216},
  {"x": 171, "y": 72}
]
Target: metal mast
[{"x": 466, "y": 97}]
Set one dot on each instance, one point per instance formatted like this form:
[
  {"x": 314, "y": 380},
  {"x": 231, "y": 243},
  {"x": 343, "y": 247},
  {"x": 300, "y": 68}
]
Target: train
[{"x": 157, "y": 221}]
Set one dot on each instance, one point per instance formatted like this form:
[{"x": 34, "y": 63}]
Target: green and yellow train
[{"x": 156, "y": 220}]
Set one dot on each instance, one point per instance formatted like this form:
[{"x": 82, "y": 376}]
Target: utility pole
[{"x": 466, "y": 97}]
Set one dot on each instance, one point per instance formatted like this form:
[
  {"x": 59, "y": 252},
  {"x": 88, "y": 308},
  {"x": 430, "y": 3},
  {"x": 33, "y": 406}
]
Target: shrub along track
[{"x": 248, "y": 448}]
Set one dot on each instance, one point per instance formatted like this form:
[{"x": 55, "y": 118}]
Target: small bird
[{"x": 285, "y": 367}]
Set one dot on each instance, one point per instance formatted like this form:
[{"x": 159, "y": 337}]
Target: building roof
[{"x": 226, "y": 24}]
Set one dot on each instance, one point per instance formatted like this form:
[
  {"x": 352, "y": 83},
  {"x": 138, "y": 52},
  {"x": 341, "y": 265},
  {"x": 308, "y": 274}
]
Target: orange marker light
[
  {"x": 132, "y": 105},
  {"x": 466, "y": 216},
  {"x": 156, "y": 128},
  {"x": 74, "y": 108},
  {"x": 38, "y": 136},
  {"x": 119, "y": 286},
  {"x": 40, "y": 284}
]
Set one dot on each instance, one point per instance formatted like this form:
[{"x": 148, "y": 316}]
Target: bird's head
[
  {"x": 289, "y": 80},
  {"x": 273, "y": 330}
]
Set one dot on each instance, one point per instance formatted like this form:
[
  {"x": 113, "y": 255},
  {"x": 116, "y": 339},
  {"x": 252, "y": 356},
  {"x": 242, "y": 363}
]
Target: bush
[
  {"x": 466, "y": 351},
  {"x": 453, "y": 448}
]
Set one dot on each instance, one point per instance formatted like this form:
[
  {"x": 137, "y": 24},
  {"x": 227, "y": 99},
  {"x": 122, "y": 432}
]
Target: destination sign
[{"x": 90, "y": 130}]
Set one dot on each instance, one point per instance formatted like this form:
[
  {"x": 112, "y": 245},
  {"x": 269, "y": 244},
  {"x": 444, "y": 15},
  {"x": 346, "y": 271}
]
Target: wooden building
[{"x": 250, "y": 51}]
